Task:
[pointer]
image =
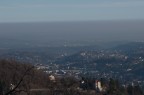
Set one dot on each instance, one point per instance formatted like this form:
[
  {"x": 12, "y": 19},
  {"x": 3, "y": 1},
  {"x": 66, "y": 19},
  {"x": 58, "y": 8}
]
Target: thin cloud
[
  {"x": 98, "y": 5},
  {"x": 101, "y": 5}
]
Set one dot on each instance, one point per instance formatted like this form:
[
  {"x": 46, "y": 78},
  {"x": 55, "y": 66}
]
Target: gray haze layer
[{"x": 57, "y": 32}]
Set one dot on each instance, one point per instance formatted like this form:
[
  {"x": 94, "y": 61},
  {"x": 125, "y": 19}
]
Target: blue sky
[{"x": 70, "y": 10}]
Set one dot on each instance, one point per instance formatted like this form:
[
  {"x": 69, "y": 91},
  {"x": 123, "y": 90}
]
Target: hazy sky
[
  {"x": 70, "y": 10},
  {"x": 73, "y": 31}
]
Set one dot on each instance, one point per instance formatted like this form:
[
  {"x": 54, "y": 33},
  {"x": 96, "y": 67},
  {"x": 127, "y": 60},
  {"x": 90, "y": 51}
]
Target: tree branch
[{"x": 22, "y": 78}]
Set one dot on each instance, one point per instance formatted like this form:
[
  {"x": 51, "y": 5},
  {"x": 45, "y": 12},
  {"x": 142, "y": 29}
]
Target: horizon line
[{"x": 70, "y": 21}]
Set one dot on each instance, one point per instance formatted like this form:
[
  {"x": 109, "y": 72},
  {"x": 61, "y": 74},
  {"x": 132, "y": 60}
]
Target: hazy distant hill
[
  {"x": 126, "y": 60},
  {"x": 130, "y": 46},
  {"x": 44, "y": 55},
  {"x": 135, "y": 49}
]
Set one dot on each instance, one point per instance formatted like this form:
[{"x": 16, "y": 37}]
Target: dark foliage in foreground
[{"x": 23, "y": 79}]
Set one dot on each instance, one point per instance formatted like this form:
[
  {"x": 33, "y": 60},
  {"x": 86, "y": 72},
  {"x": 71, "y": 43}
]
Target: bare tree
[{"x": 15, "y": 77}]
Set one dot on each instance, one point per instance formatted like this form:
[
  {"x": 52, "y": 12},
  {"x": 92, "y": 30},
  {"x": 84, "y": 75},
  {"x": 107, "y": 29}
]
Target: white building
[
  {"x": 98, "y": 85},
  {"x": 52, "y": 78}
]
